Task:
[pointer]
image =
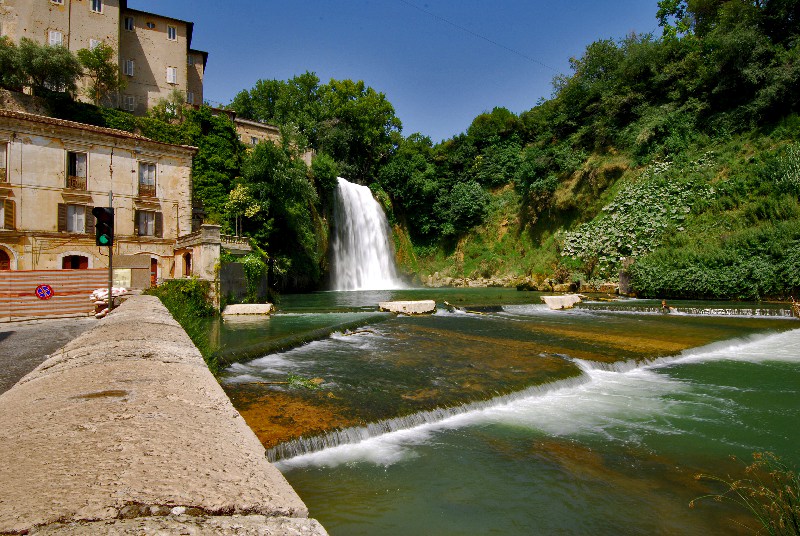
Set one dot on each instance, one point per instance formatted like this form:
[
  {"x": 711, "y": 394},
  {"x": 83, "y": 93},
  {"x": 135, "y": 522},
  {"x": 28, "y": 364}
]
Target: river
[{"x": 503, "y": 417}]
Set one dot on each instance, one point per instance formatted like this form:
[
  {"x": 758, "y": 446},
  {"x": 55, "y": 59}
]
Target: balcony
[
  {"x": 147, "y": 190},
  {"x": 3, "y": 176},
  {"x": 76, "y": 183}
]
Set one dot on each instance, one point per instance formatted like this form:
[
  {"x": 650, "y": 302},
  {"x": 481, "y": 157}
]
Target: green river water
[{"x": 511, "y": 418}]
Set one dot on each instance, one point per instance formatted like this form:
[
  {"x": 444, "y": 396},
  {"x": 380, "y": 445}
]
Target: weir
[
  {"x": 292, "y": 452},
  {"x": 361, "y": 248},
  {"x": 349, "y": 436}
]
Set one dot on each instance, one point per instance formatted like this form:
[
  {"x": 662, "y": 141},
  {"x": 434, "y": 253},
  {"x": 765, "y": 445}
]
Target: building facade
[
  {"x": 53, "y": 172},
  {"x": 154, "y": 51}
]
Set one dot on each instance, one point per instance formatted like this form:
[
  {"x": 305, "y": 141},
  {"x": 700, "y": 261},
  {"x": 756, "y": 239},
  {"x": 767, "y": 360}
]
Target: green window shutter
[
  {"x": 159, "y": 225},
  {"x": 9, "y": 214},
  {"x": 62, "y": 217},
  {"x": 89, "y": 219}
]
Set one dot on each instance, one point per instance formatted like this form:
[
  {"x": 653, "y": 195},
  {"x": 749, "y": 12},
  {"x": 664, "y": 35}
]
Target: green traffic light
[{"x": 103, "y": 239}]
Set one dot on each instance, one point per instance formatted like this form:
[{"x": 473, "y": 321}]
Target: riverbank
[{"x": 125, "y": 430}]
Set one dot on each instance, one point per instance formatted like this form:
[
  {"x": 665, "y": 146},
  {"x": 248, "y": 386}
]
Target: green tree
[
  {"x": 10, "y": 71},
  {"x": 289, "y": 231},
  {"x": 325, "y": 172},
  {"x": 462, "y": 208},
  {"x": 359, "y": 127},
  {"x": 218, "y": 160},
  {"x": 101, "y": 68},
  {"x": 48, "y": 68}
]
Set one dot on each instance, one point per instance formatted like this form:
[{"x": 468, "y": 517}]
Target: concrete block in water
[
  {"x": 420, "y": 307},
  {"x": 248, "y": 309},
  {"x": 566, "y": 301}
]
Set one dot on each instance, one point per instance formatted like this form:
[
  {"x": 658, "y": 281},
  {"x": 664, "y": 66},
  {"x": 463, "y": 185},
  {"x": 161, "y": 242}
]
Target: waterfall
[{"x": 362, "y": 252}]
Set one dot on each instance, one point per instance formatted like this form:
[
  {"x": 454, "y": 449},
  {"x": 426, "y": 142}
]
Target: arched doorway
[
  {"x": 74, "y": 262},
  {"x": 187, "y": 264},
  {"x": 5, "y": 260},
  {"x": 153, "y": 272}
]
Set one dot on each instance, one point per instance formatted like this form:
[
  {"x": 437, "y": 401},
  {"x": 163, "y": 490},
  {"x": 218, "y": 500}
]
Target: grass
[{"x": 769, "y": 491}]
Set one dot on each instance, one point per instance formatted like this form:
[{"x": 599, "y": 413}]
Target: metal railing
[
  {"x": 147, "y": 190},
  {"x": 76, "y": 183}
]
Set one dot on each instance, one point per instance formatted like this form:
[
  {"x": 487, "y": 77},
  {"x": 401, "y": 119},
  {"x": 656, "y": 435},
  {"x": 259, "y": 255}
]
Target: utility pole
[{"x": 111, "y": 257}]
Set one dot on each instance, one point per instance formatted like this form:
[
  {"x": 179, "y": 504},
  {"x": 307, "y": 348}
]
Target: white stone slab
[
  {"x": 567, "y": 301},
  {"x": 248, "y": 309},
  {"x": 420, "y": 307}
]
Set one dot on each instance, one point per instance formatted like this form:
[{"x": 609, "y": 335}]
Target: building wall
[
  {"x": 75, "y": 20},
  {"x": 152, "y": 52},
  {"x": 196, "y": 71},
  {"x": 252, "y": 133},
  {"x": 148, "y": 44},
  {"x": 36, "y": 183}
]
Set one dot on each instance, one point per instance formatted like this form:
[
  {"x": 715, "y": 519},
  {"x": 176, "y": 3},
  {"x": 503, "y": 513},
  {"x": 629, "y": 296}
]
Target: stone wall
[{"x": 125, "y": 428}]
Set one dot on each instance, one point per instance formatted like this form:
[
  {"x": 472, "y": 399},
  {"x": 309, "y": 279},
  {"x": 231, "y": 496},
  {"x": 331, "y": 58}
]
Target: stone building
[
  {"x": 154, "y": 51},
  {"x": 53, "y": 172}
]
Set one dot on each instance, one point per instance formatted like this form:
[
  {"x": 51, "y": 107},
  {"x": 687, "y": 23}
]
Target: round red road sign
[{"x": 44, "y": 292}]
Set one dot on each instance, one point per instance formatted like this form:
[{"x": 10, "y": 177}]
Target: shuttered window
[
  {"x": 75, "y": 219},
  {"x": 55, "y": 38},
  {"x": 8, "y": 216},
  {"x": 148, "y": 223},
  {"x": 172, "y": 75},
  {"x": 128, "y": 68}
]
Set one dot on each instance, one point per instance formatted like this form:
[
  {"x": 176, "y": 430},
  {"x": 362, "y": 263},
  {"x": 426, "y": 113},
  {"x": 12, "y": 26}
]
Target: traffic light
[{"x": 103, "y": 226}]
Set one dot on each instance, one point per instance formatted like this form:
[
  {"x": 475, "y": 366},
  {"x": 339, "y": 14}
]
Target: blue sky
[{"x": 439, "y": 62}]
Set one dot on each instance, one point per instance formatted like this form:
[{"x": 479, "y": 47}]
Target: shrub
[{"x": 188, "y": 302}]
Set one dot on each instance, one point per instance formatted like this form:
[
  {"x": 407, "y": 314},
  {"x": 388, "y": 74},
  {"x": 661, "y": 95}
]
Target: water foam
[
  {"x": 363, "y": 257},
  {"x": 610, "y": 401}
]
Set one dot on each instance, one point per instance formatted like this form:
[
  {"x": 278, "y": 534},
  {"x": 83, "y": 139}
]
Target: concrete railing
[{"x": 124, "y": 429}]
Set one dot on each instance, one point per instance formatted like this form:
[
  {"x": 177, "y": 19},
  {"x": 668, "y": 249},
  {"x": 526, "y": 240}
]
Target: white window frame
[
  {"x": 172, "y": 75},
  {"x": 129, "y": 68},
  {"x": 147, "y": 223},
  {"x": 55, "y": 38},
  {"x": 151, "y": 25},
  {"x": 189, "y": 97},
  {"x": 129, "y": 102},
  {"x": 172, "y": 33},
  {"x": 94, "y": 43},
  {"x": 76, "y": 219},
  {"x": 130, "y": 23},
  {"x": 97, "y": 6},
  {"x": 59, "y": 2}
]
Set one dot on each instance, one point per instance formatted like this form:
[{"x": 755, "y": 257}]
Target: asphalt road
[{"x": 24, "y": 345}]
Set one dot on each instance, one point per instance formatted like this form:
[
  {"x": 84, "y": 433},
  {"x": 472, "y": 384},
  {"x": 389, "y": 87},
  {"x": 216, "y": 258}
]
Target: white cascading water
[{"x": 362, "y": 253}]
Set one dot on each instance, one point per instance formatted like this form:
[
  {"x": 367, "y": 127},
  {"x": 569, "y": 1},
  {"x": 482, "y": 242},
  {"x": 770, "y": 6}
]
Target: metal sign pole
[{"x": 110, "y": 260}]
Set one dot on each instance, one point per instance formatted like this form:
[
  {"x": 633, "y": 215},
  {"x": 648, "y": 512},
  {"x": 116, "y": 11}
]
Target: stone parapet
[{"x": 124, "y": 426}]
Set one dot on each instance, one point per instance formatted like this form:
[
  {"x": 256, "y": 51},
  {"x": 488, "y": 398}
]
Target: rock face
[
  {"x": 566, "y": 301},
  {"x": 127, "y": 422},
  {"x": 421, "y": 307},
  {"x": 248, "y": 309}
]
